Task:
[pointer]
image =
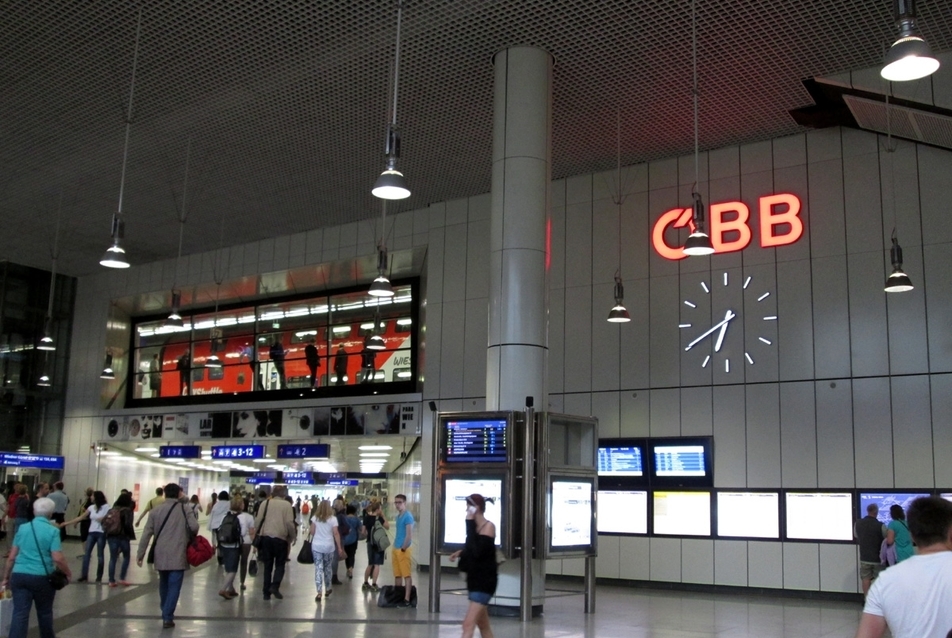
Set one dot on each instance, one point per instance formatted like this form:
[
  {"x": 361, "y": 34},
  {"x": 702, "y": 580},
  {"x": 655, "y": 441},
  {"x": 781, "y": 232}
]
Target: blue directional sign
[
  {"x": 297, "y": 478},
  {"x": 304, "y": 451},
  {"x": 238, "y": 452},
  {"x": 180, "y": 451},
  {"x": 39, "y": 461}
]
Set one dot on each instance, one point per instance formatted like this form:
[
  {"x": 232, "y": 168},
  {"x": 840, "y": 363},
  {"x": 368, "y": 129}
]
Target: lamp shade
[
  {"x": 114, "y": 257},
  {"x": 698, "y": 243},
  {"x": 107, "y": 371},
  {"x": 212, "y": 361},
  {"x": 898, "y": 281},
  {"x": 376, "y": 342},
  {"x": 381, "y": 287},
  {"x": 909, "y": 58},
  {"x": 44, "y": 380},
  {"x": 46, "y": 343},
  {"x": 391, "y": 185},
  {"x": 619, "y": 314}
]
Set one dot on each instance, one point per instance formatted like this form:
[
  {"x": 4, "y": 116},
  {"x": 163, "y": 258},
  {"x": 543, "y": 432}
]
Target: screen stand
[{"x": 506, "y": 601}]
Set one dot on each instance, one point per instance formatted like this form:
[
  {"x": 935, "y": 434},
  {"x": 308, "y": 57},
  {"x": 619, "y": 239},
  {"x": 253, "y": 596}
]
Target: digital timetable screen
[
  {"x": 620, "y": 461},
  {"x": 679, "y": 460},
  {"x": 476, "y": 441}
]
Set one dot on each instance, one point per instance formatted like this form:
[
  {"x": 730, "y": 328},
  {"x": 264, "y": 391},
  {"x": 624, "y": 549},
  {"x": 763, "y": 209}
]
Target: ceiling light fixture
[
  {"x": 698, "y": 243},
  {"x": 374, "y": 447},
  {"x": 391, "y": 184},
  {"x": 898, "y": 280},
  {"x": 618, "y": 313},
  {"x": 44, "y": 380},
  {"x": 909, "y": 57},
  {"x": 175, "y": 317},
  {"x": 107, "y": 371},
  {"x": 46, "y": 341},
  {"x": 115, "y": 256}
]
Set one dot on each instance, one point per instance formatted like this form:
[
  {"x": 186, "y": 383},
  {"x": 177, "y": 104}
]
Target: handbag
[
  {"x": 151, "y": 557},
  {"x": 58, "y": 578},
  {"x": 256, "y": 541},
  {"x": 253, "y": 564},
  {"x": 306, "y": 556},
  {"x": 199, "y": 549}
]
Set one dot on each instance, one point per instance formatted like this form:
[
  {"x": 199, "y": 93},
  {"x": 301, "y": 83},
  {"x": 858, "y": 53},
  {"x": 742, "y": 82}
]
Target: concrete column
[{"x": 517, "y": 355}]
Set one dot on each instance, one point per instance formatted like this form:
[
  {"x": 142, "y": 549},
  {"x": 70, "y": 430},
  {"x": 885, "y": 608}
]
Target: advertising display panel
[
  {"x": 571, "y": 525},
  {"x": 748, "y": 514},
  {"x": 682, "y": 513},
  {"x": 455, "y": 491},
  {"x": 821, "y": 516},
  {"x": 622, "y": 512},
  {"x": 884, "y": 500}
]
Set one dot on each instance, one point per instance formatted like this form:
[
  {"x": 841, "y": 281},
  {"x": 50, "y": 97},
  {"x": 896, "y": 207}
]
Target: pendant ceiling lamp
[
  {"x": 115, "y": 256},
  {"x": 213, "y": 360},
  {"x": 376, "y": 341},
  {"x": 909, "y": 57},
  {"x": 175, "y": 317},
  {"x": 391, "y": 184},
  {"x": 46, "y": 341},
  {"x": 107, "y": 370},
  {"x": 898, "y": 280},
  {"x": 381, "y": 285},
  {"x": 618, "y": 313},
  {"x": 698, "y": 243}
]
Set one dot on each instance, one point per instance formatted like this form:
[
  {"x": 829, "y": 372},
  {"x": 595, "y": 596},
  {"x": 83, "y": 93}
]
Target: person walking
[
  {"x": 478, "y": 560},
  {"x": 229, "y": 535},
  {"x": 351, "y": 540},
  {"x": 119, "y": 543},
  {"x": 21, "y": 507},
  {"x": 325, "y": 545},
  {"x": 897, "y": 534},
  {"x": 313, "y": 361},
  {"x": 343, "y": 529},
  {"x": 94, "y": 514},
  {"x": 275, "y": 525},
  {"x": 247, "y": 522},
  {"x": 375, "y": 557},
  {"x": 173, "y": 528},
  {"x": 36, "y": 551},
  {"x": 84, "y": 506},
  {"x": 340, "y": 366},
  {"x": 157, "y": 500},
  {"x": 58, "y": 496},
  {"x": 217, "y": 514},
  {"x": 869, "y": 533}
]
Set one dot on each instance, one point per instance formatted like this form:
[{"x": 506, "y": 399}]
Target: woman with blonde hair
[{"x": 325, "y": 540}]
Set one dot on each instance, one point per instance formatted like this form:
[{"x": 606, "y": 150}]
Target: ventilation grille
[{"x": 911, "y": 124}]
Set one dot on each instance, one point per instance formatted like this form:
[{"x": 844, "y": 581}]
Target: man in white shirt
[{"x": 913, "y": 597}]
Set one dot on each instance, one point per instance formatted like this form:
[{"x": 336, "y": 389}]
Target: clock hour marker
[
  {"x": 747, "y": 282},
  {"x": 725, "y": 279},
  {"x": 689, "y": 304},
  {"x": 706, "y": 289},
  {"x": 767, "y": 341},
  {"x": 770, "y": 318},
  {"x": 684, "y": 325},
  {"x": 706, "y": 360},
  {"x": 763, "y": 296},
  {"x": 727, "y": 365},
  {"x": 749, "y": 360}
]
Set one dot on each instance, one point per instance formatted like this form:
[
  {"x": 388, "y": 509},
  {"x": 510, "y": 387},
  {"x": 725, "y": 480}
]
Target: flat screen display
[
  {"x": 455, "y": 491},
  {"x": 238, "y": 451},
  {"x": 571, "y": 513},
  {"x": 476, "y": 441},
  {"x": 38, "y": 461},
  {"x": 626, "y": 460},
  {"x": 946, "y": 495},
  {"x": 885, "y": 500},
  {"x": 679, "y": 460},
  {"x": 622, "y": 511},
  {"x": 748, "y": 514},
  {"x": 682, "y": 513},
  {"x": 824, "y": 516},
  {"x": 180, "y": 451}
]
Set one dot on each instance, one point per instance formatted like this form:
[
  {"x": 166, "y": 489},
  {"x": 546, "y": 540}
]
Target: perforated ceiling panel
[{"x": 286, "y": 102}]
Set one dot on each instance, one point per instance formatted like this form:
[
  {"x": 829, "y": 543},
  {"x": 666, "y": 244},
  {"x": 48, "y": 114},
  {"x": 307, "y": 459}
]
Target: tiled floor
[{"x": 90, "y": 610}]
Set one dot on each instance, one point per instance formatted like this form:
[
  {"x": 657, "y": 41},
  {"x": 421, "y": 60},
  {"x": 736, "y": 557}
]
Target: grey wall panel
[
  {"x": 556, "y": 340},
  {"x": 605, "y": 408},
  {"x": 834, "y": 433},
  {"x": 665, "y": 412},
  {"x": 761, "y": 339},
  {"x": 730, "y": 437},
  {"x": 578, "y": 189},
  {"x": 457, "y": 211},
  {"x": 557, "y": 192},
  {"x": 578, "y": 339},
  {"x": 578, "y": 245},
  {"x": 824, "y": 144},
  {"x": 831, "y": 326},
  {"x": 730, "y": 563},
  {"x": 765, "y": 564},
  {"x": 724, "y": 162},
  {"x": 634, "y": 359},
  {"x": 665, "y": 559},
  {"x": 437, "y": 215},
  {"x": 872, "y": 433},
  {"x": 606, "y": 351},
  {"x": 557, "y": 403},
  {"x": 697, "y": 412},
  {"x": 480, "y": 207},
  {"x": 635, "y": 236},
  {"x": 795, "y": 327},
  {"x": 798, "y": 458},
  {"x": 790, "y": 151},
  {"x": 935, "y": 166},
  {"x": 634, "y": 562},
  {"x": 664, "y": 334},
  {"x": 794, "y": 180},
  {"x": 938, "y": 276},
  {"x": 827, "y": 228},
  {"x": 660, "y": 201},
  {"x": 839, "y": 568},
  {"x": 432, "y": 341},
  {"x": 557, "y": 248},
  {"x": 579, "y": 404},
  {"x": 941, "y": 385},
  {"x": 573, "y": 567},
  {"x": 474, "y": 347},
  {"x": 869, "y": 346},
  {"x": 608, "y": 561},
  {"x": 435, "y": 255},
  {"x": 912, "y": 432},
  {"x": 690, "y": 173},
  {"x": 605, "y": 185},
  {"x": 635, "y": 414},
  {"x": 763, "y": 435},
  {"x": 801, "y": 566},
  {"x": 477, "y": 259},
  {"x": 452, "y": 347},
  {"x": 454, "y": 262},
  {"x": 348, "y": 234},
  {"x": 695, "y": 306},
  {"x": 697, "y": 561},
  {"x": 753, "y": 186},
  {"x": 606, "y": 241},
  {"x": 662, "y": 174},
  {"x": 756, "y": 157},
  {"x": 906, "y": 322},
  {"x": 857, "y": 142},
  {"x": 725, "y": 189}
]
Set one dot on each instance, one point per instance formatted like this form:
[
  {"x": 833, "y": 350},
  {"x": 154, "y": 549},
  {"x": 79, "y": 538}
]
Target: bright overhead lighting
[
  {"x": 909, "y": 57},
  {"x": 156, "y": 455},
  {"x": 383, "y": 454},
  {"x": 374, "y": 447},
  {"x": 147, "y": 449},
  {"x": 110, "y": 453},
  {"x": 404, "y": 322},
  {"x": 265, "y": 460}
]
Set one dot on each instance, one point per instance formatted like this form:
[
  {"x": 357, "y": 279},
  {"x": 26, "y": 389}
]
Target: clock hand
[
  {"x": 720, "y": 337},
  {"x": 730, "y": 315}
]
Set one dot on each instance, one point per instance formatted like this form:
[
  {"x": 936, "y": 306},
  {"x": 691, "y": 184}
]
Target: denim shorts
[{"x": 480, "y": 597}]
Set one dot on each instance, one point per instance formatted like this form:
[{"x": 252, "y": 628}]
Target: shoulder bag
[
  {"x": 57, "y": 577},
  {"x": 306, "y": 556},
  {"x": 199, "y": 549},
  {"x": 256, "y": 541},
  {"x": 151, "y": 557}
]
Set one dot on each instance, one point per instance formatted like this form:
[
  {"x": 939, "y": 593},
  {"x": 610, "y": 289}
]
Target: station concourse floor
[{"x": 84, "y": 610}]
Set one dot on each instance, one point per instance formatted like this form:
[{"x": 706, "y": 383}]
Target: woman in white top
[
  {"x": 247, "y": 522},
  {"x": 219, "y": 509},
  {"x": 95, "y": 513},
  {"x": 232, "y": 553},
  {"x": 325, "y": 540}
]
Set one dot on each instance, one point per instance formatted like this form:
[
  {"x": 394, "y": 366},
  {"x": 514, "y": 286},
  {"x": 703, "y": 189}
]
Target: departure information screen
[
  {"x": 679, "y": 460},
  {"x": 476, "y": 441},
  {"x": 620, "y": 461}
]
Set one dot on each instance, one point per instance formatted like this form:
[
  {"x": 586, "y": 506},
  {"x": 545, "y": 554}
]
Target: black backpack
[{"x": 229, "y": 532}]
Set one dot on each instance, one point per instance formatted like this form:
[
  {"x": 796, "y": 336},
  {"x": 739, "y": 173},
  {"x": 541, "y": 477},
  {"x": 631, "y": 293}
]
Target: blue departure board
[
  {"x": 237, "y": 451},
  {"x": 679, "y": 460},
  {"x": 304, "y": 451},
  {"x": 38, "y": 461},
  {"x": 180, "y": 451},
  {"x": 620, "y": 461},
  {"x": 476, "y": 441}
]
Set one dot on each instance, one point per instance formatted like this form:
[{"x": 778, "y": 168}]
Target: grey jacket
[{"x": 177, "y": 533}]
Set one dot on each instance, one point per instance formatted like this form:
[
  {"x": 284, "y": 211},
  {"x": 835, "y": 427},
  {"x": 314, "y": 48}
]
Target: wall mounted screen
[
  {"x": 470, "y": 440},
  {"x": 748, "y": 514},
  {"x": 885, "y": 500},
  {"x": 824, "y": 516},
  {"x": 455, "y": 491},
  {"x": 682, "y": 513},
  {"x": 681, "y": 462},
  {"x": 623, "y": 511},
  {"x": 570, "y": 513},
  {"x": 621, "y": 460}
]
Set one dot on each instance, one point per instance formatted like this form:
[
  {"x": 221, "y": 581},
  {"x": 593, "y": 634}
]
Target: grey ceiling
[{"x": 286, "y": 102}]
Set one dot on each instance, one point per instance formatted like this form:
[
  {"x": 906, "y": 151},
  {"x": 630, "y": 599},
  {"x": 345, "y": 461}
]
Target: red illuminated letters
[{"x": 779, "y": 217}]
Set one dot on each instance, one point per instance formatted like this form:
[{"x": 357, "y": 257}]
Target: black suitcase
[{"x": 391, "y": 596}]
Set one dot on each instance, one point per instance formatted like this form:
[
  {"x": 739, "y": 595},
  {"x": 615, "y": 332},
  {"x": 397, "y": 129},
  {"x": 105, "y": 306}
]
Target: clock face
[{"x": 718, "y": 339}]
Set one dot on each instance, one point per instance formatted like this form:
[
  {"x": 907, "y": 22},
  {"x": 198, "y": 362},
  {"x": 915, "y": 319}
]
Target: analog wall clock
[{"x": 719, "y": 340}]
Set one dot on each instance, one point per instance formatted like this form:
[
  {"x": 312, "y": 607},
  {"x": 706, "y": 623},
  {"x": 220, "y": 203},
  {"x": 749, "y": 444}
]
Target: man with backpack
[
  {"x": 343, "y": 528},
  {"x": 374, "y": 521},
  {"x": 229, "y": 535}
]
